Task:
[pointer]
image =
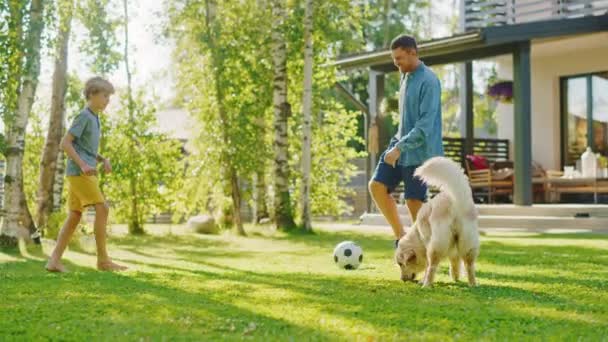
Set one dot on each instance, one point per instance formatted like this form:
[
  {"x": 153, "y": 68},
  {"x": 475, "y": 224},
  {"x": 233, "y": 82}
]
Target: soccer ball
[{"x": 348, "y": 255}]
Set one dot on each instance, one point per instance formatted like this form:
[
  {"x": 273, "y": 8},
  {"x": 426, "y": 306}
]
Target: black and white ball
[{"x": 348, "y": 255}]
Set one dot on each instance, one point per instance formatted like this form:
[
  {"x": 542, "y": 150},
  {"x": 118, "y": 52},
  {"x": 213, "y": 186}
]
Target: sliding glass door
[{"x": 584, "y": 115}]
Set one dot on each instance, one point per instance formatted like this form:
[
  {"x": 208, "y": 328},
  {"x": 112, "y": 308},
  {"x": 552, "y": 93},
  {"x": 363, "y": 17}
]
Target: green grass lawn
[{"x": 286, "y": 287}]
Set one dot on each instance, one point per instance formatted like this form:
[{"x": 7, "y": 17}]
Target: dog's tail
[{"x": 449, "y": 177}]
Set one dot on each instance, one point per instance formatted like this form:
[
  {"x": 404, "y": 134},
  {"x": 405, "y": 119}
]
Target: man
[{"x": 418, "y": 137}]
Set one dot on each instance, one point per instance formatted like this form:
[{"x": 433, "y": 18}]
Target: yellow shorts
[{"x": 83, "y": 191}]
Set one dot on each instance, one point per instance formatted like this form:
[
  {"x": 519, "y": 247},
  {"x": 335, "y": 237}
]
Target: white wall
[{"x": 551, "y": 59}]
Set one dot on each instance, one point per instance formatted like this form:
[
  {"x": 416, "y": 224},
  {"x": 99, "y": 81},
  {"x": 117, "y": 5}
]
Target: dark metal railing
[
  {"x": 483, "y": 13},
  {"x": 493, "y": 149}
]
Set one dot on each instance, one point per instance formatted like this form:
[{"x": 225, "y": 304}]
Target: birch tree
[
  {"x": 26, "y": 32},
  {"x": 307, "y": 112},
  {"x": 52, "y": 158}
]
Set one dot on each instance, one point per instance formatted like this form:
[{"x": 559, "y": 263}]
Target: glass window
[
  {"x": 585, "y": 109},
  {"x": 576, "y": 116},
  {"x": 600, "y": 112}
]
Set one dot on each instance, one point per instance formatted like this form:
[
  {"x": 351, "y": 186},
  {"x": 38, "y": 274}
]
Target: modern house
[{"x": 556, "y": 54}]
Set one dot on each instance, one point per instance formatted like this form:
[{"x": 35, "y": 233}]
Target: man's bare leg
[
  {"x": 386, "y": 203},
  {"x": 414, "y": 206},
  {"x": 54, "y": 263},
  {"x": 102, "y": 211}
]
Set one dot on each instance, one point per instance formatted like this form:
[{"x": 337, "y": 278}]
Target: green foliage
[
  {"x": 241, "y": 43},
  {"x": 485, "y": 106},
  {"x": 50, "y": 16},
  {"x": 450, "y": 98},
  {"x": 55, "y": 222},
  {"x": 146, "y": 165},
  {"x": 35, "y": 138},
  {"x": 374, "y": 27},
  {"x": 332, "y": 154},
  {"x": 403, "y": 16},
  {"x": 238, "y": 44},
  {"x": 333, "y": 128},
  {"x": 74, "y": 97},
  {"x": 13, "y": 14},
  {"x": 101, "y": 44},
  {"x": 2, "y": 144},
  {"x": 485, "y": 113}
]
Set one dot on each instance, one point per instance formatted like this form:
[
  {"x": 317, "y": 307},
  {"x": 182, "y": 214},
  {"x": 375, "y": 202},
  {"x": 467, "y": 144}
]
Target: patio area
[
  {"x": 491, "y": 175},
  {"x": 539, "y": 218},
  {"x": 525, "y": 163}
]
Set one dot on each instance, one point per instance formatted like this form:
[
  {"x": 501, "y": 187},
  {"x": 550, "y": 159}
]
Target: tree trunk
[
  {"x": 429, "y": 25},
  {"x": 135, "y": 222},
  {"x": 126, "y": 57},
  {"x": 58, "y": 183},
  {"x": 387, "y": 23},
  {"x": 50, "y": 155},
  {"x": 226, "y": 159},
  {"x": 307, "y": 111},
  {"x": 282, "y": 110},
  {"x": 260, "y": 206},
  {"x": 18, "y": 221},
  {"x": 236, "y": 201},
  {"x": 260, "y": 209}
]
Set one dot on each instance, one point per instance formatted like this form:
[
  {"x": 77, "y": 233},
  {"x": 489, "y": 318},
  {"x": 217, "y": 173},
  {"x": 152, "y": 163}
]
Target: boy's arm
[
  {"x": 68, "y": 147},
  {"x": 107, "y": 167}
]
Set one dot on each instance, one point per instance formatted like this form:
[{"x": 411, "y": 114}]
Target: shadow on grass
[
  {"x": 144, "y": 304},
  {"x": 383, "y": 303},
  {"x": 171, "y": 240},
  {"x": 549, "y": 236},
  {"x": 125, "y": 306},
  {"x": 565, "y": 256},
  {"x": 328, "y": 239},
  {"x": 191, "y": 244}
]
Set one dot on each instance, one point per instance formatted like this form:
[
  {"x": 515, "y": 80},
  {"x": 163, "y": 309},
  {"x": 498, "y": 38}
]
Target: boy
[{"x": 81, "y": 144}]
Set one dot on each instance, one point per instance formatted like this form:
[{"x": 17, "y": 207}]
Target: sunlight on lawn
[{"x": 276, "y": 286}]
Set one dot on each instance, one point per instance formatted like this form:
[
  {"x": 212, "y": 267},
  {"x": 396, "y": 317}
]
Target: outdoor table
[{"x": 575, "y": 185}]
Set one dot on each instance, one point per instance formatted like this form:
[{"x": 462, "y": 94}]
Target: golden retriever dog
[{"x": 446, "y": 226}]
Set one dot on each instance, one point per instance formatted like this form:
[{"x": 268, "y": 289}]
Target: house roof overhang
[{"x": 483, "y": 43}]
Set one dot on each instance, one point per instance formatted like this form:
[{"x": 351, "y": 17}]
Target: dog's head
[{"x": 410, "y": 256}]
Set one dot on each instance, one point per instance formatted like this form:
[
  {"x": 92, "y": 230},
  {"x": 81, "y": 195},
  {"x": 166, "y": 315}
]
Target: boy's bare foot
[
  {"x": 55, "y": 267},
  {"x": 110, "y": 266}
]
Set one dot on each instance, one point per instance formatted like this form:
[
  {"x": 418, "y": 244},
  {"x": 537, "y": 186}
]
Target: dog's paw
[
  {"x": 473, "y": 284},
  {"x": 427, "y": 285}
]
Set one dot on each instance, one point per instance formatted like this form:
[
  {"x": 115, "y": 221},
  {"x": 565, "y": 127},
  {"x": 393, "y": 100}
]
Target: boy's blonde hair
[{"x": 97, "y": 85}]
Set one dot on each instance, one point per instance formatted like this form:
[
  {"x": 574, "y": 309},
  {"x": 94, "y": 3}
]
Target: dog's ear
[{"x": 409, "y": 257}]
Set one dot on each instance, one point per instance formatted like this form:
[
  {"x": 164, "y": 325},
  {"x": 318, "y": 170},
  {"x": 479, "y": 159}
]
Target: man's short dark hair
[{"x": 404, "y": 42}]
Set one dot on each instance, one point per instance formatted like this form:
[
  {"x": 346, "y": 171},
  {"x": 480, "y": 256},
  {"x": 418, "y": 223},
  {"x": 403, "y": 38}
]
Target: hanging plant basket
[{"x": 501, "y": 91}]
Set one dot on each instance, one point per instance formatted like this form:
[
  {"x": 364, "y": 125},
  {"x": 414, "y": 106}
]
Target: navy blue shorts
[{"x": 391, "y": 177}]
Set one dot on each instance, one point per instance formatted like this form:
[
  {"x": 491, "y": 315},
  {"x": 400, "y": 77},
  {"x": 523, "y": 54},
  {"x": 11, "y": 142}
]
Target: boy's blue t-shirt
[{"x": 86, "y": 130}]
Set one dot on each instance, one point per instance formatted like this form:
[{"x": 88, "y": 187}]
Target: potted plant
[{"x": 501, "y": 91}]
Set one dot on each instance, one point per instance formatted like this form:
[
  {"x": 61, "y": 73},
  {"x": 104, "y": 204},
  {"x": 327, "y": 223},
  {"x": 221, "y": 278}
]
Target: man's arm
[{"x": 429, "y": 106}]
